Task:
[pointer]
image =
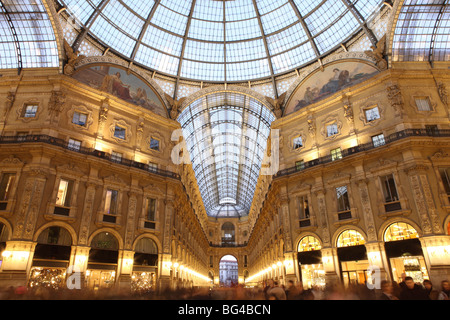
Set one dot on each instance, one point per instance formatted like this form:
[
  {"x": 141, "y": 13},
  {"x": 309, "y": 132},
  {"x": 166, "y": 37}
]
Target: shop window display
[
  {"x": 310, "y": 262},
  {"x": 404, "y": 252},
  {"x": 352, "y": 256}
]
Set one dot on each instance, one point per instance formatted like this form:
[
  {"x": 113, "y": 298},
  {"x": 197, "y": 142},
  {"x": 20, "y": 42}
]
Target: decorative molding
[
  {"x": 123, "y": 124},
  {"x": 81, "y": 109}
]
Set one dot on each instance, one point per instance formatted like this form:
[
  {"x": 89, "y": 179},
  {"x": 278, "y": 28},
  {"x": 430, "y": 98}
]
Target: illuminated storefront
[
  {"x": 310, "y": 262},
  {"x": 404, "y": 252},
  {"x": 102, "y": 264},
  {"x": 352, "y": 255},
  {"x": 51, "y": 259},
  {"x": 145, "y": 268}
]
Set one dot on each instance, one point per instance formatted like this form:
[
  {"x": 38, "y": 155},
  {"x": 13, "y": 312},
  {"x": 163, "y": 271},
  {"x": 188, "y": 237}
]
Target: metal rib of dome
[
  {"x": 222, "y": 40},
  {"x": 226, "y": 135}
]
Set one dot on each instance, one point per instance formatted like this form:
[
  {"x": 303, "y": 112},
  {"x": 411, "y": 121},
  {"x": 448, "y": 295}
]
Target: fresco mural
[
  {"x": 122, "y": 85},
  {"x": 334, "y": 78}
]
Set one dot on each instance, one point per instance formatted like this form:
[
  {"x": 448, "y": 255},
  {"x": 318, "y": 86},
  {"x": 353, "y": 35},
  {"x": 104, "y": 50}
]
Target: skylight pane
[
  {"x": 123, "y": 18},
  {"x": 181, "y": 7},
  {"x": 170, "y": 20},
  {"x": 157, "y": 60},
  {"x": 142, "y": 8},
  {"x": 113, "y": 36},
  {"x": 204, "y": 51},
  {"x": 163, "y": 41},
  {"x": 205, "y": 30},
  {"x": 278, "y": 19},
  {"x": 243, "y": 30}
]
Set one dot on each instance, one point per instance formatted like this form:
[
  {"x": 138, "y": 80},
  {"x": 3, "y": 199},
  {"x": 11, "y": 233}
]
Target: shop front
[
  {"x": 404, "y": 252},
  {"x": 309, "y": 257},
  {"x": 51, "y": 259},
  {"x": 352, "y": 256},
  {"x": 145, "y": 270},
  {"x": 102, "y": 264}
]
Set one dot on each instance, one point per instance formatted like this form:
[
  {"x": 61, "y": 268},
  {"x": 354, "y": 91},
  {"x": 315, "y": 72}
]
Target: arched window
[
  {"x": 104, "y": 249},
  {"x": 228, "y": 268},
  {"x": 146, "y": 253},
  {"x": 350, "y": 238},
  {"x": 309, "y": 243},
  {"x": 54, "y": 243},
  {"x": 400, "y": 231},
  {"x": 228, "y": 232}
]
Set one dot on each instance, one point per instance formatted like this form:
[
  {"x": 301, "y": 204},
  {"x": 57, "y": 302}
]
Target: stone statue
[
  {"x": 276, "y": 104},
  {"x": 72, "y": 59},
  {"x": 377, "y": 53},
  {"x": 174, "y": 105}
]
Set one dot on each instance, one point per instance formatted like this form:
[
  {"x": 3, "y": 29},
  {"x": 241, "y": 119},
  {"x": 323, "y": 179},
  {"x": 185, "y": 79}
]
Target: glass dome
[{"x": 222, "y": 40}]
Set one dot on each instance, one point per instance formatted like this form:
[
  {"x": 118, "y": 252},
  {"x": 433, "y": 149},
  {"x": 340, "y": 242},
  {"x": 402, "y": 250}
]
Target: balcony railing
[
  {"x": 407, "y": 133},
  {"x": 87, "y": 151}
]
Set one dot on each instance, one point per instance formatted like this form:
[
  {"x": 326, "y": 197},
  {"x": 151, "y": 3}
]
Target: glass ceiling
[
  {"x": 226, "y": 135},
  {"x": 422, "y": 31},
  {"x": 27, "y": 39},
  {"x": 222, "y": 40}
]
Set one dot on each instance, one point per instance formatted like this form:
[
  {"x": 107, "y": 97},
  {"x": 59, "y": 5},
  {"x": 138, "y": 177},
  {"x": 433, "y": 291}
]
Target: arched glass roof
[
  {"x": 27, "y": 39},
  {"x": 226, "y": 135},
  {"x": 422, "y": 31},
  {"x": 221, "y": 40}
]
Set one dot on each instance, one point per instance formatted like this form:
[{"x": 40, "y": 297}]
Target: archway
[
  {"x": 228, "y": 271},
  {"x": 145, "y": 267},
  {"x": 102, "y": 264},
  {"x": 51, "y": 258}
]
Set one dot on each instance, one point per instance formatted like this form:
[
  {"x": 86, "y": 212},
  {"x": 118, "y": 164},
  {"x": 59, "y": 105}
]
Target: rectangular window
[
  {"x": 389, "y": 188},
  {"x": 152, "y": 166},
  {"x": 111, "y": 202},
  {"x": 378, "y": 140},
  {"x": 342, "y": 199},
  {"x": 432, "y": 130},
  {"x": 64, "y": 195},
  {"x": 332, "y": 129},
  {"x": 423, "y": 104},
  {"x": 6, "y": 185},
  {"x": 300, "y": 165},
  {"x": 372, "y": 114},
  {"x": 150, "y": 209},
  {"x": 29, "y": 111},
  {"x": 116, "y": 156},
  {"x": 336, "y": 154},
  {"x": 79, "y": 118},
  {"x": 154, "y": 144},
  {"x": 303, "y": 208},
  {"x": 120, "y": 132},
  {"x": 74, "y": 144},
  {"x": 445, "y": 175},
  {"x": 298, "y": 143}
]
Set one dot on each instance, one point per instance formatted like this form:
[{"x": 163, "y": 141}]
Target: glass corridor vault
[{"x": 226, "y": 135}]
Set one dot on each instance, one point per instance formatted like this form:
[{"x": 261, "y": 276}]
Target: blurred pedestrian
[
  {"x": 387, "y": 291},
  {"x": 413, "y": 291},
  {"x": 291, "y": 291},
  {"x": 276, "y": 292},
  {"x": 445, "y": 293},
  {"x": 431, "y": 292}
]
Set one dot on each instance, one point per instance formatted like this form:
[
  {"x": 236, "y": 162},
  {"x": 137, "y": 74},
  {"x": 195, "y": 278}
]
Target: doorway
[{"x": 228, "y": 270}]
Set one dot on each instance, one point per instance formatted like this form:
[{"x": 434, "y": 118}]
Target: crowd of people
[
  {"x": 272, "y": 290},
  {"x": 390, "y": 290}
]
